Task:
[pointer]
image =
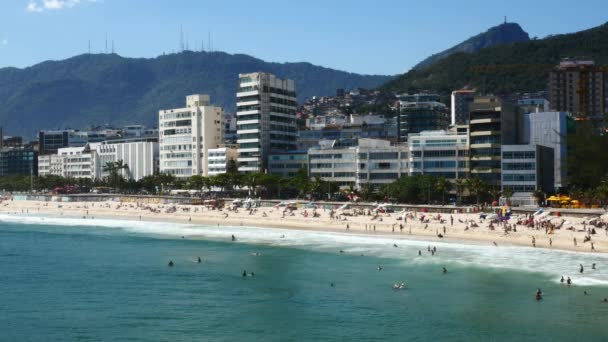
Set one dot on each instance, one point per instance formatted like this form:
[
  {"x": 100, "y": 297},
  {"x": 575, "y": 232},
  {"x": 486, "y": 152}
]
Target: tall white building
[
  {"x": 139, "y": 157},
  {"x": 266, "y": 119},
  {"x": 220, "y": 159},
  {"x": 187, "y": 134}
]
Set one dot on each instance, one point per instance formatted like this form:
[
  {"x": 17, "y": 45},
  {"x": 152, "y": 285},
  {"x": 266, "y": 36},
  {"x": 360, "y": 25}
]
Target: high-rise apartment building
[
  {"x": 266, "y": 119},
  {"x": 186, "y": 135},
  {"x": 579, "y": 87},
  {"x": 421, "y": 112},
  {"x": 460, "y": 106},
  {"x": 492, "y": 123}
]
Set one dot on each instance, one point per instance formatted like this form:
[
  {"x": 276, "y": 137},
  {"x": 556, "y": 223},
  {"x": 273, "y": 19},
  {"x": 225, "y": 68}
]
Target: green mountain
[
  {"x": 108, "y": 89},
  {"x": 502, "y": 34},
  {"x": 507, "y": 68}
]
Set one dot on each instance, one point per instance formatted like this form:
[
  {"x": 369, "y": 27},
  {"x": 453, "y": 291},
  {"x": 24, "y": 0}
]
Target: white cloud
[
  {"x": 4, "y": 42},
  {"x": 42, "y": 5}
]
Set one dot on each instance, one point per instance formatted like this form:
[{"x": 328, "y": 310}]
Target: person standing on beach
[
  {"x": 581, "y": 270},
  {"x": 451, "y": 220},
  {"x": 550, "y": 242},
  {"x": 575, "y": 242}
]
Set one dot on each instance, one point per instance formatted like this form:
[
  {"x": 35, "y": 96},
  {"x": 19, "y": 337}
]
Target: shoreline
[{"x": 385, "y": 226}]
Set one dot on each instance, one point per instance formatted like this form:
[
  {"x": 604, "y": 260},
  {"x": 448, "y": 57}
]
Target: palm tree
[
  {"x": 442, "y": 185},
  {"x": 507, "y": 193},
  {"x": 476, "y": 187},
  {"x": 113, "y": 168},
  {"x": 461, "y": 186}
]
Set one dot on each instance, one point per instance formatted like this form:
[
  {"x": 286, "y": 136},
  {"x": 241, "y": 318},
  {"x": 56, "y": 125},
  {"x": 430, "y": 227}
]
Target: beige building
[{"x": 187, "y": 134}]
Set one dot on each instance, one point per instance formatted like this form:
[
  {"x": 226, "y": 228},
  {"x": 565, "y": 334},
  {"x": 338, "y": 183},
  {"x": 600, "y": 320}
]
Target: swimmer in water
[
  {"x": 593, "y": 266},
  {"x": 170, "y": 263},
  {"x": 244, "y": 273},
  {"x": 199, "y": 260},
  {"x": 562, "y": 280},
  {"x": 445, "y": 270},
  {"x": 395, "y": 245},
  {"x": 581, "y": 269},
  {"x": 379, "y": 268},
  {"x": 419, "y": 253},
  {"x": 569, "y": 281}
]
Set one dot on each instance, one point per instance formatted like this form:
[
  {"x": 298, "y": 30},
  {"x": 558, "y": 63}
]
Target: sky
[{"x": 369, "y": 37}]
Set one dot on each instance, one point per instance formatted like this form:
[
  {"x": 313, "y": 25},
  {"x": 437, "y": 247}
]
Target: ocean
[{"x": 74, "y": 279}]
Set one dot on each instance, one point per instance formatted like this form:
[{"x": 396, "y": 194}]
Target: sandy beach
[{"x": 445, "y": 227}]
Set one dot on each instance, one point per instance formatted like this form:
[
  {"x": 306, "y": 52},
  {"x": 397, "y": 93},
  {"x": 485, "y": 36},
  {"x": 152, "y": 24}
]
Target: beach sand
[{"x": 383, "y": 225}]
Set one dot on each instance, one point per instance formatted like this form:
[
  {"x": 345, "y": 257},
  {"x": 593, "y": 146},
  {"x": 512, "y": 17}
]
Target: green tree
[
  {"x": 442, "y": 185},
  {"x": 461, "y": 185},
  {"x": 477, "y": 187}
]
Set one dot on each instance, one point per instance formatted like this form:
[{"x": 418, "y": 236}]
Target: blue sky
[{"x": 372, "y": 37}]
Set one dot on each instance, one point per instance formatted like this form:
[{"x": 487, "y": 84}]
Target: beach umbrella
[{"x": 553, "y": 198}]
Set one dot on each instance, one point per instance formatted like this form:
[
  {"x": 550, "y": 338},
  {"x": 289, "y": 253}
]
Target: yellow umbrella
[
  {"x": 574, "y": 202},
  {"x": 552, "y": 198}
]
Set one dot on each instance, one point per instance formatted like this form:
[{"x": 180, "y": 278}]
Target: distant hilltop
[{"x": 502, "y": 34}]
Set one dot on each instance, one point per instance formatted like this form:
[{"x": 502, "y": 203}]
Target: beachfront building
[
  {"x": 50, "y": 165},
  {"x": 527, "y": 168},
  {"x": 460, "y": 106},
  {"x": 266, "y": 119},
  {"x": 374, "y": 162},
  {"x": 18, "y": 161},
  {"x": 549, "y": 129},
  {"x": 421, "y": 112},
  {"x": 78, "y": 162},
  {"x": 186, "y": 135},
  {"x": 139, "y": 157},
  {"x": 440, "y": 153},
  {"x": 220, "y": 159},
  {"x": 493, "y": 122},
  {"x": 287, "y": 164}
]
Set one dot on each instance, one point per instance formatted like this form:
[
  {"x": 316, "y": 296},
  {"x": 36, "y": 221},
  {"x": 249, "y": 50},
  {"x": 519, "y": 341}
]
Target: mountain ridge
[{"x": 96, "y": 89}]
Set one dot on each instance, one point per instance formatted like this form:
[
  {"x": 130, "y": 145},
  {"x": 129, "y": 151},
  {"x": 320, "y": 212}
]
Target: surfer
[
  {"x": 170, "y": 263},
  {"x": 539, "y": 294}
]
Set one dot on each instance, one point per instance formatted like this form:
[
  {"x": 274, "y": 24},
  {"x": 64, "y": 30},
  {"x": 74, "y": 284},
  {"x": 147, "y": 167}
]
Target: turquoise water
[{"x": 70, "y": 279}]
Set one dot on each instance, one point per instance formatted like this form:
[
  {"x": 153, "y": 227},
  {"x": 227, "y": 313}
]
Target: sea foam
[{"x": 553, "y": 263}]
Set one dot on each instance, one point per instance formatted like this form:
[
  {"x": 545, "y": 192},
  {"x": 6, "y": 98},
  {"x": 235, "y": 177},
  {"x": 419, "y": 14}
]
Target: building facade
[
  {"x": 415, "y": 117},
  {"x": 439, "y": 153},
  {"x": 492, "y": 123},
  {"x": 460, "y": 106},
  {"x": 373, "y": 162},
  {"x": 549, "y": 129},
  {"x": 140, "y": 159},
  {"x": 187, "y": 134},
  {"x": 579, "y": 87},
  {"x": 220, "y": 159},
  {"x": 527, "y": 168},
  {"x": 287, "y": 164},
  {"x": 18, "y": 161},
  {"x": 266, "y": 119}
]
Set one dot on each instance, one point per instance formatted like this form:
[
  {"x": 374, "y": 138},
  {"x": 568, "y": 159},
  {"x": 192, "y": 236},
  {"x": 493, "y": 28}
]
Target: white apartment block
[
  {"x": 89, "y": 161},
  {"x": 266, "y": 119},
  {"x": 220, "y": 158},
  {"x": 439, "y": 153},
  {"x": 187, "y": 134},
  {"x": 373, "y": 162},
  {"x": 78, "y": 162},
  {"x": 50, "y": 164},
  {"x": 140, "y": 158}
]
